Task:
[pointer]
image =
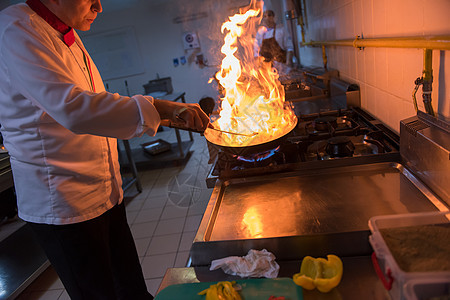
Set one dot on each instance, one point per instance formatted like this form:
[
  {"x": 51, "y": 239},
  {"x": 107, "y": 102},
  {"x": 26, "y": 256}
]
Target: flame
[{"x": 253, "y": 97}]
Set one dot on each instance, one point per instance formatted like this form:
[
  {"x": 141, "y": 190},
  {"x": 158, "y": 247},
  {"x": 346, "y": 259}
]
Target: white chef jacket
[
  {"x": 283, "y": 39},
  {"x": 60, "y": 134}
]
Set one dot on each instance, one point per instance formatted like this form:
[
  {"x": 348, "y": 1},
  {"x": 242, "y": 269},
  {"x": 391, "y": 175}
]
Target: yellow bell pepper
[
  {"x": 222, "y": 290},
  {"x": 320, "y": 273}
]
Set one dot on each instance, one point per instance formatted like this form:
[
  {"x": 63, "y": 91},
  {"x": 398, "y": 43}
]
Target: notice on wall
[{"x": 115, "y": 53}]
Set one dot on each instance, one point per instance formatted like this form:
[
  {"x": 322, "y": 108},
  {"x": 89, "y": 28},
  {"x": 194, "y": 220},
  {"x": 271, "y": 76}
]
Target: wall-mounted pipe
[
  {"x": 427, "y": 43},
  {"x": 427, "y": 81},
  {"x": 301, "y": 19},
  {"x": 291, "y": 16},
  {"x": 433, "y": 42},
  {"x": 324, "y": 57}
]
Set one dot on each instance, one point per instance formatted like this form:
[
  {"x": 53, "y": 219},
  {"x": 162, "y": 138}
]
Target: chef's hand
[{"x": 188, "y": 115}]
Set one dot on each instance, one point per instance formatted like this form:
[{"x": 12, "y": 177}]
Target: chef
[
  {"x": 60, "y": 127},
  {"x": 274, "y": 43}
]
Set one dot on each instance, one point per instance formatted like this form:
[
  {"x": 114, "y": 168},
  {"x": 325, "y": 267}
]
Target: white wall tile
[
  {"x": 344, "y": 23},
  {"x": 357, "y": 17},
  {"x": 370, "y": 99},
  {"x": 363, "y": 94},
  {"x": 394, "y": 18},
  {"x": 342, "y": 58},
  {"x": 360, "y": 65},
  {"x": 411, "y": 15},
  {"x": 315, "y": 8},
  {"x": 331, "y": 57},
  {"x": 367, "y": 18},
  {"x": 387, "y": 72},
  {"x": 395, "y": 70},
  {"x": 407, "y": 109},
  {"x": 379, "y": 17},
  {"x": 330, "y": 28},
  {"x": 369, "y": 61},
  {"x": 436, "y": 16},
  {"x": 352, "y": 52},
  {"x": 381, "y": 69},
  {"x": 395, "y": 112},
  {"x": 384, "y": 107}
]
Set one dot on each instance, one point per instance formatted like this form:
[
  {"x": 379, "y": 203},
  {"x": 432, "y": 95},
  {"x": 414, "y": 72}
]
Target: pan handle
[{"x": 170, "y": 124}]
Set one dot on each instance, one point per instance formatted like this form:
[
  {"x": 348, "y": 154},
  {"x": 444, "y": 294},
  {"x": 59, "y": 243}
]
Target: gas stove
[{"x": 332, "y": 138}]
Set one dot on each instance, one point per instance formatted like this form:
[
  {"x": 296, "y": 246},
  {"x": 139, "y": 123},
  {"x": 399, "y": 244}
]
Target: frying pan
[
  {"x": 252, "y": 148},
  {"x": 246, "y": 150}
]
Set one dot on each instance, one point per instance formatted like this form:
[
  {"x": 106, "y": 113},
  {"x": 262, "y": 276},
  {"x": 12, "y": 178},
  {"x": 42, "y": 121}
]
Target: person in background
[
  {"x": 60, "y": 128},
  {"x": 274, "y": 43}
]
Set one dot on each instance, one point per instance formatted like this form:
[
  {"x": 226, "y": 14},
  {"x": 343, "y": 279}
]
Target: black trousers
[{"x": 95, "y": 259}]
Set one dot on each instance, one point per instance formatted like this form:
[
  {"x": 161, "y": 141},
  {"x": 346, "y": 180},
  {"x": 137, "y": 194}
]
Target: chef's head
[
  {"x": 78, "y": 14},
  {"x": 269, "y": 18}
]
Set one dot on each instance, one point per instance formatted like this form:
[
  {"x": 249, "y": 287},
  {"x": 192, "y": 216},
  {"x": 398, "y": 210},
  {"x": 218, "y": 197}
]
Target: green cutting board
[{"x": 252, "y": 289}]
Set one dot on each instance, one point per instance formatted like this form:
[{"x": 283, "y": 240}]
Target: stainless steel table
[{"x": 359, "y": 280}]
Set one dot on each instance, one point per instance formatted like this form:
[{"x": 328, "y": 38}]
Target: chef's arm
[{"x": 189, "y": 115}]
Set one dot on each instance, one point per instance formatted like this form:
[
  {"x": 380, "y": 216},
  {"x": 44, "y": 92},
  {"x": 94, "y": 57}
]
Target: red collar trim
[{"x": 53, "y": 20}]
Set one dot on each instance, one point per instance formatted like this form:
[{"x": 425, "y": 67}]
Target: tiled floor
[{"x": 163, "y": 218}]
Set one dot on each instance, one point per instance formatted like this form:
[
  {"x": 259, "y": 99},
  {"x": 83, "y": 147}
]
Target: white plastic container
[
  {"x": 425, "y": 289},
  {"x": 392, "y": 276}
]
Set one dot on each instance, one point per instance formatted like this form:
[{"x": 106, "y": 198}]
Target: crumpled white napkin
[{"x": 254, "y": 264}]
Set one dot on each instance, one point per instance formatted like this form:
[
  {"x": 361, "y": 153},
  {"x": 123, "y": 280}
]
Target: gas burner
[
  {"x": 324, "y": 127},
  {"x": 326, "y": 123},
  {"x": 258, "y": 157},
  {"x": 340, "y": 146},
  {"x": 345, "y": 136},
  {"x": 229, "y": 162},
  {"x": 226, "y": 163}
]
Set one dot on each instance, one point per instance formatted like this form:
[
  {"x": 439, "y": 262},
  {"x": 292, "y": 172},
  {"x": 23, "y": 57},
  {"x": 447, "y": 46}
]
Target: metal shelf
[
  {"x": 22, "y": 261},
  {"x": 144, "y": 160}
]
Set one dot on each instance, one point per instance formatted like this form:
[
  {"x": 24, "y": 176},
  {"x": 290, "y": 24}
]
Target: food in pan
[
  {"x": 320, "y": 273},
  {"x": 253, "y": 103}
]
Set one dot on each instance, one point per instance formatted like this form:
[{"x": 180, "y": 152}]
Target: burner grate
[{"x": 360, "y": 134}]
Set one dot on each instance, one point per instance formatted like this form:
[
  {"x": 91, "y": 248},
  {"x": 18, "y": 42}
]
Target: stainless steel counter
[
  {"x": 309, "y": 211},
  {"x": 306, "y": 212},
  {"x": 359, "y": 280}
]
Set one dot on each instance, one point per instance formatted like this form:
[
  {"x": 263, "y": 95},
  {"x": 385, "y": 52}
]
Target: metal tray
[
  {"x": 156, "y": 147},
  {"x": 313, "y": 212}
]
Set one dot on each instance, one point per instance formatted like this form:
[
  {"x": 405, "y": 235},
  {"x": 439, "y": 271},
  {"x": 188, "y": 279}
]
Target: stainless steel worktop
[
  {"x": 359, "y": 280},
  {"x": 318, "y": 210},
  {"x": 306, "y": 212}
]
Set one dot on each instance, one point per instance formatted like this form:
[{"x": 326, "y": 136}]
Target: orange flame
[{"x": 253, "y": 100}]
